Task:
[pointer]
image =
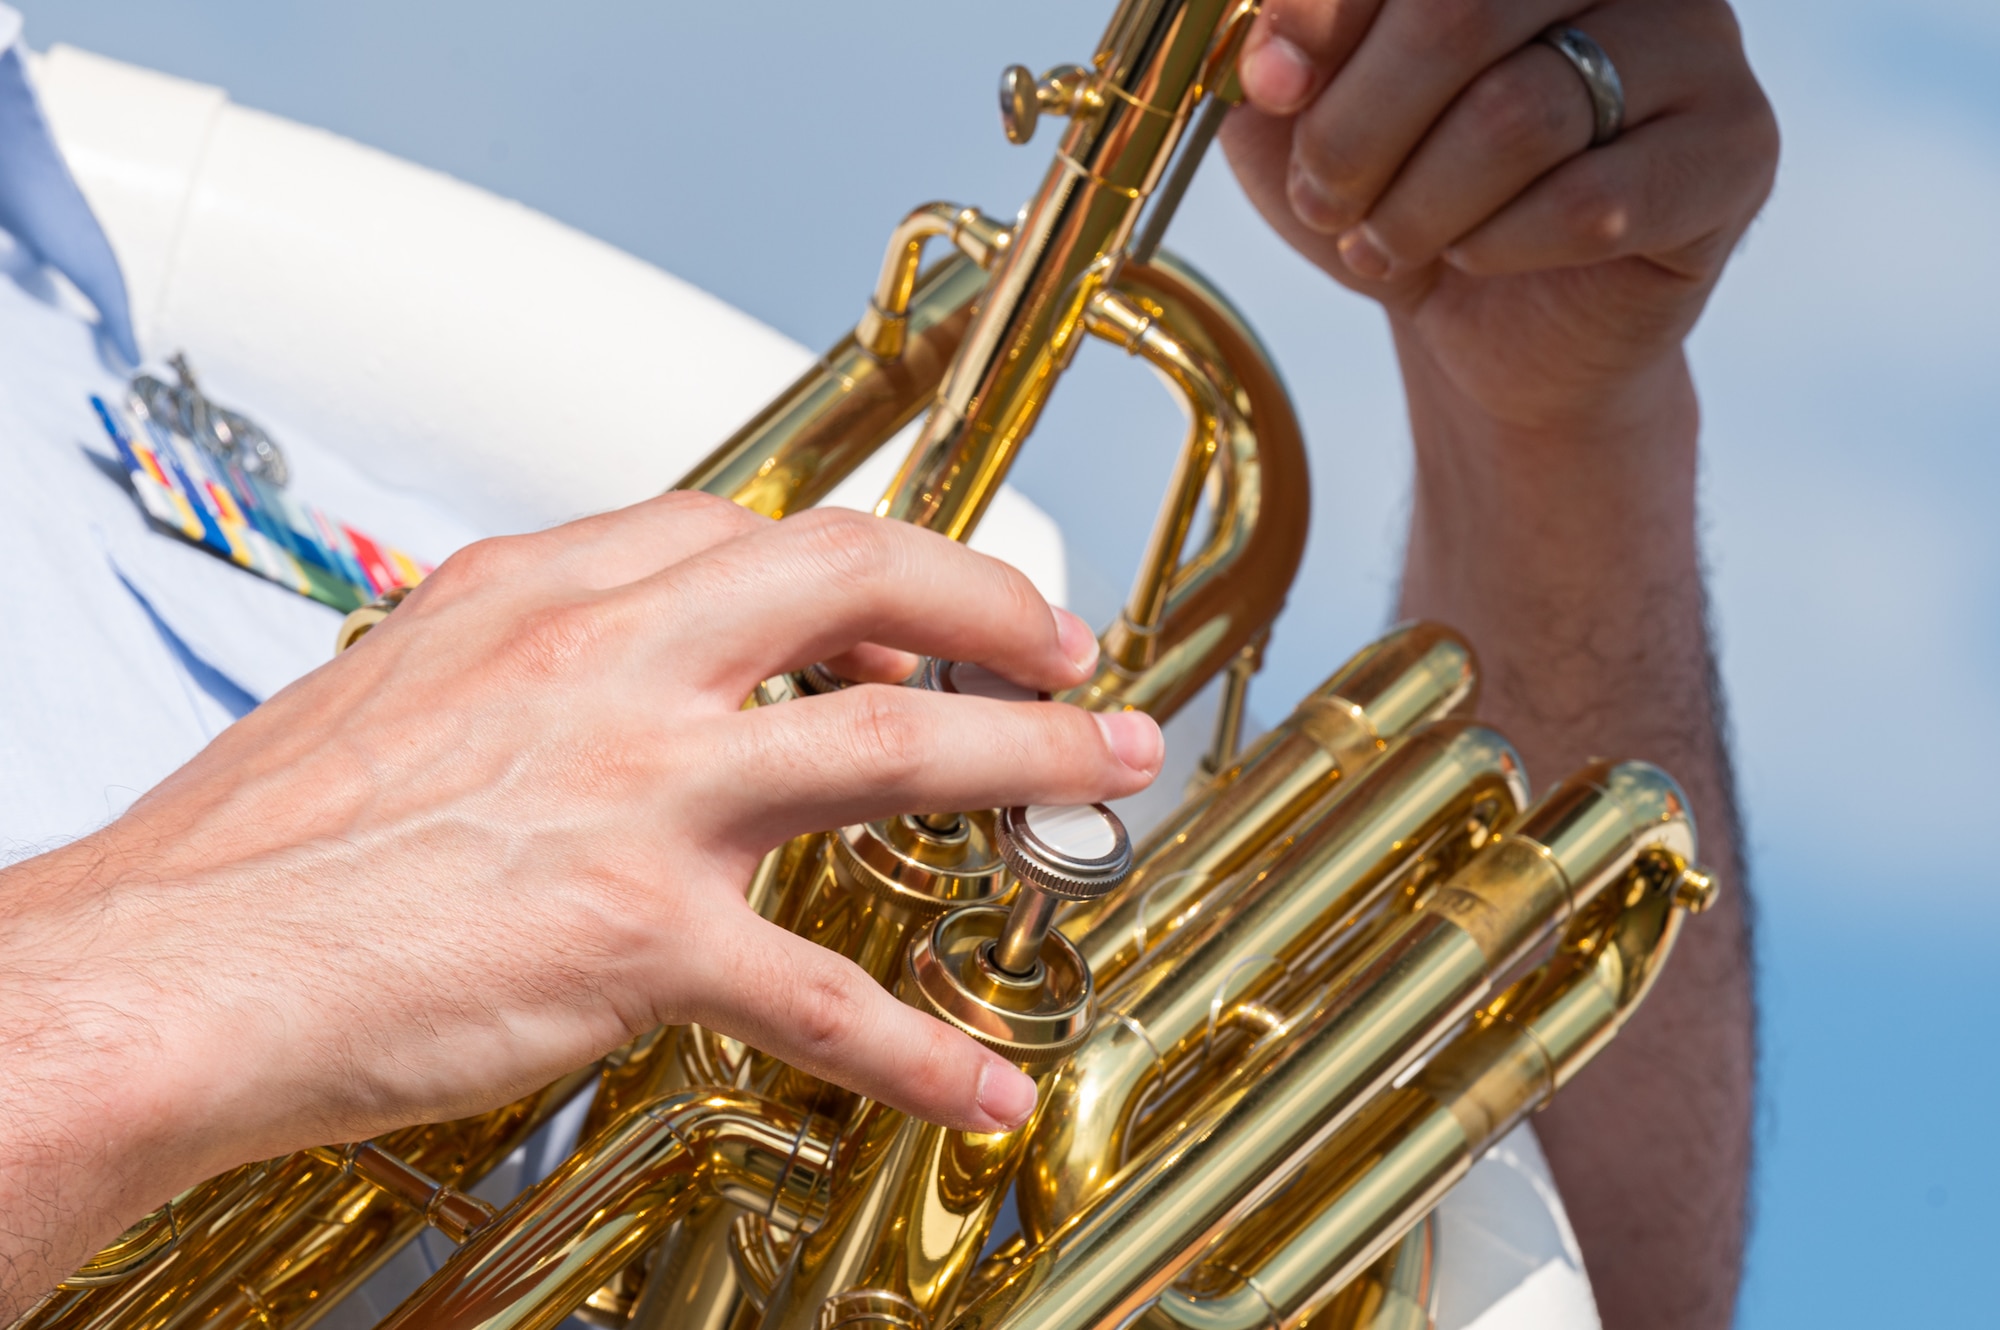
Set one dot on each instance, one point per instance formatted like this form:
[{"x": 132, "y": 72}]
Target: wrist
[
  {"x": 94, "y": 1129},
  {"x": 1602, "y": 487}
]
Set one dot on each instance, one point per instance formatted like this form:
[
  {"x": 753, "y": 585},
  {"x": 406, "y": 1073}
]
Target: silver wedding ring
[{"x": 1600, "y": 79}]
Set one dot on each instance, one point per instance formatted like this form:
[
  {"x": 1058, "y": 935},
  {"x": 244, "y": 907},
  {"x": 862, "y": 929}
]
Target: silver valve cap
[
  {"x": 969, "y": 680},
  {"x": 1076, "y": 852}
]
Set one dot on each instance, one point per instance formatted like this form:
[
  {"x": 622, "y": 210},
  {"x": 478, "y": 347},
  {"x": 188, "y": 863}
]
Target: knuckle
[
  {"x": 481, "y": 563},
  {"x": 1589, "y": 213},
  {"x": 1462, "y": 31},
  {"x": 845, "y": 545},
  {"x": 885, "y": 733},
  {"x": 548, "y": 641},
  {"x": 1520, "y": 115},
  {"x": 1329, "y": 156},
  {"x": 827, "y": 1010},
  {"x": 712, "y": 509}
]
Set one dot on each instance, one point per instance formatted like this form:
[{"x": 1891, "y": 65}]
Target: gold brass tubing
[
  {"x": 1397, "y": 1292},
  {"x": 563, "y": 1237},
  {"x": 356, "y": 1230},
  {"x": 1064, "y": 250},
  {"x": 1376, "y": 1178},
  {"x": 1132, "y": 643},
  {"x": 641, "y": 1070},
  {"x": 1418, "y": 673},
  {"x": 1207, "y": 979},
  {"x": 913, "y": 1205},
  {"x": 1230, "y": 708},
  {"x": 1224, "y": 595},
  {"x": 884, "y": 326},
  {"x": 446, "y": 1209},
  {"x": 834, "y": 416},
  {"x": 1272, "y": 1112},
  {"x": 261, "y": 1224},
  {"x": 874, "y": 884},
  {"x": 1122, "y": 1251},
  {"x": 695, "y": 1281}
]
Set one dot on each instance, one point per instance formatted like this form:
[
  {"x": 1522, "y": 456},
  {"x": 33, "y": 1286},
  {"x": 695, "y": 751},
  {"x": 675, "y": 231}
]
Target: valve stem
[{"x": 1058, "y": 853}]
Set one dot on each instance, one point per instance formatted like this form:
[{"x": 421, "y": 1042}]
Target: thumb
[
  {"x": 821, "y": 1013},
  {"x": 1296, "y": 47}
]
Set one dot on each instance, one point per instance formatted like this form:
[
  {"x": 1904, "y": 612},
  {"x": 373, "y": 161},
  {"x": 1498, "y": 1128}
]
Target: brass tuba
[{"x": 1268, "y": 1039}]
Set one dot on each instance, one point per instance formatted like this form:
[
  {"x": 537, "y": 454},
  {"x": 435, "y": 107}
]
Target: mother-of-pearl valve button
[
  {"x": 1076, "y": 851},
  {"x": 1058, "y": 853}
]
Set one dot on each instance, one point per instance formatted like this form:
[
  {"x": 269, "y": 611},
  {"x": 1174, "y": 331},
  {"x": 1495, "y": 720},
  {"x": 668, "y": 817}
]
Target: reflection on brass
[{"x": 1350, "y": 960}]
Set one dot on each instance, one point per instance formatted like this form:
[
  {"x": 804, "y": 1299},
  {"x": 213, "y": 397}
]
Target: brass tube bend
[{"x": 614, "y": 1196}]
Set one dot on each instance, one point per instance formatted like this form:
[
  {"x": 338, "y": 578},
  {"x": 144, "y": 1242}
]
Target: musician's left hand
[{"x": 1434, "y": 155}]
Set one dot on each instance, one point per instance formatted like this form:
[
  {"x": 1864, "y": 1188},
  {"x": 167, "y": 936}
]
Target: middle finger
[
  {"x": 1415, "y": 61},
  {"x": 1515, "y": 123}
]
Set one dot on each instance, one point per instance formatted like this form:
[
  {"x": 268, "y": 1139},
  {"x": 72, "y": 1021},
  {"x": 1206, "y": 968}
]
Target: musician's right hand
[{"x": 509, "y": 830}]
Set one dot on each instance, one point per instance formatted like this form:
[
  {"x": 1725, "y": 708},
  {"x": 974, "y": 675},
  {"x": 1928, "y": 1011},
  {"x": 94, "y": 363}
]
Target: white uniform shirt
[{"x": 124, "y": 649}]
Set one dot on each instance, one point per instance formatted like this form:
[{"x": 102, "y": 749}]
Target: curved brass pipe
[
  {"x": 835, "y": 416},
  {"x": 1205, "y": 609},
  {"x": 1188, "y": 618},
  {"x": 1371, "y": 1182},
  {"x": 562, "y": 1238},
  {"x": 1239, "y": 971},
  {"x": 281, "y": 1241},
  {"x": 1418, "y": 673},
  {"x": 884, "y": 328},
  {"x": 1377, "y": 1019}
]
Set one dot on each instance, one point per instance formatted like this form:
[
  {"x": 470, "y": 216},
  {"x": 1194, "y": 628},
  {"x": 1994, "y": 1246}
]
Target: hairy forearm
[
  {"x": 80, "y": 1156},
  {"x": 1568, "y": 555}
]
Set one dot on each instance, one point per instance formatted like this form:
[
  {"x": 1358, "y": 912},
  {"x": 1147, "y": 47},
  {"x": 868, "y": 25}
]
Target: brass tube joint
[{"x": 884, "y": 327}]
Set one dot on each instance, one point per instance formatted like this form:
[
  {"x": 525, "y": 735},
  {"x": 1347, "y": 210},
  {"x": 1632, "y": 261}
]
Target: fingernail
[
  {"x": 1277, "y": 76},
  {"x": 1133, "y": 738},
  {"x": 1006, "y": 1095},
  {"x": 1311, "y": 204},
  {"x": 1363, "y": 254},
  {"x": 1076, "y": 640}
]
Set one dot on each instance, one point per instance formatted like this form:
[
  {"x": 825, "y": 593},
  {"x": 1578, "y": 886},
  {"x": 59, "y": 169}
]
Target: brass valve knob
[
  {"x": 1058, "y": 853},
  {"x": 817, "y": 680},
  {"x": 1023, "y": 97}
]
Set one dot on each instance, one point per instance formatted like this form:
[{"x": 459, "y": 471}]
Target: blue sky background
[{"x": 1847, "y": 369}]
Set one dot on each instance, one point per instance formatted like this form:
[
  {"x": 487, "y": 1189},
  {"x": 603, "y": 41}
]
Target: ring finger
[
  {"x": 1516, "y": 122},
  {"x": 1415, "y": 60}
]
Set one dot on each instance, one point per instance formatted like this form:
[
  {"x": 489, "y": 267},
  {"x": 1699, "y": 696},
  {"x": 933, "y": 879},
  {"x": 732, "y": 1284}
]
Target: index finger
[
  {"x": 1295, "y": 46},
  {"x": 826, "y": 581}
]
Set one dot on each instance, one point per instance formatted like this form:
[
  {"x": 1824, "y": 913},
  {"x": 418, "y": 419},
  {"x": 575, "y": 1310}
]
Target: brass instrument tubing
[
  {"x": 913, "y": 1206},
  {"x": 1376, "y": 1178},
  {"x": 1211, "y": 977},
  {"x": 562, "y": 1238},
  {"x": 1226, "y": 593},
  {"x": 446, "y": 1209},
  {"x": 261, "y": 1229},
  {"x": 1417, "y": 674},
  {"x": 1063, "y": 251},
  {"x": 358, "y": 1229},
  {"x": 1132, "y": 642},
  {"x": 884, "y": 326},
  {"x": 834, "y": 417},
  {"x": 1262, "y": 1123},
  {"x": 1230, "y": 708}
]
